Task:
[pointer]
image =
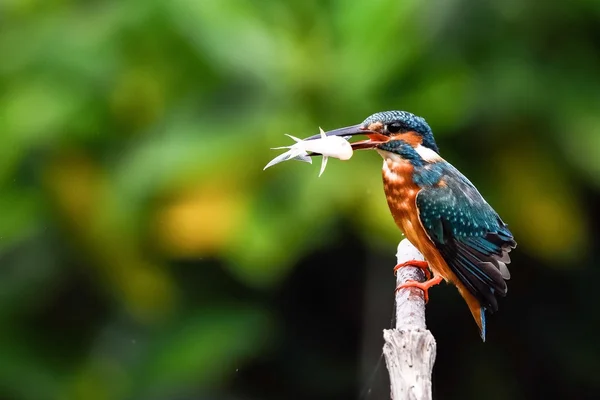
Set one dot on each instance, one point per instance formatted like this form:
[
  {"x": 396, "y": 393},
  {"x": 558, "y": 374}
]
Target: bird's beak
[
  {"x": 375, "y": 138},
  {"x": 347, "y": 131}
]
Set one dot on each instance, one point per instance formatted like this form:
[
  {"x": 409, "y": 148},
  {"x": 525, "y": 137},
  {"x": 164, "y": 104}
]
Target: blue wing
[{"x": 469, "y": 234}]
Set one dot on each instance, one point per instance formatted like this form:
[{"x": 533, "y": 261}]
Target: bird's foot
[
  {"x": 424, "y": 265},
  {"x": 424, "y": 286}
]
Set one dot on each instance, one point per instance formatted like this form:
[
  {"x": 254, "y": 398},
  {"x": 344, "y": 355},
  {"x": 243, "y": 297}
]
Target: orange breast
[{"x": 401, "y": 194}]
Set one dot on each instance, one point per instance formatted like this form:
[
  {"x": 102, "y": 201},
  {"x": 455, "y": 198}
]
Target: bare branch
[{"x": 410, "y": 348}]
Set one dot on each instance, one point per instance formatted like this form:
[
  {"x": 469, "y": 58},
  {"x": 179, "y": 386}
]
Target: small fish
[{"x": 327, "y": 146}]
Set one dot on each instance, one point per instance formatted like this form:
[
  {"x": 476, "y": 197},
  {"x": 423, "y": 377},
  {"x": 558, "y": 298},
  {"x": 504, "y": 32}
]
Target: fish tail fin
[
  {"x": 290, "y": 154},
  {"x": 294, "y": 138}
]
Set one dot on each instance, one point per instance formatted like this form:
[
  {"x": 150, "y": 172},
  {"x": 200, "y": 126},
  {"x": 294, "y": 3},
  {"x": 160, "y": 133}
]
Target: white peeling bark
[{"x": 410, "y": 348}]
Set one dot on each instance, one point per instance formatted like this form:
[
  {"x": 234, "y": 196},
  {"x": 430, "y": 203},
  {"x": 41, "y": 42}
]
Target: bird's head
[{"x": 390, "y": 131}]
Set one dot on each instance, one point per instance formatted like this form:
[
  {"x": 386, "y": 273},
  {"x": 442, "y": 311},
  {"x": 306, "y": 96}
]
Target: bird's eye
[{"x": 394, "y": 127}]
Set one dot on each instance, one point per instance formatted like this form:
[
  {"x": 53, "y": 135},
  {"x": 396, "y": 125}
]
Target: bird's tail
[{"x": 477, "y": 310}]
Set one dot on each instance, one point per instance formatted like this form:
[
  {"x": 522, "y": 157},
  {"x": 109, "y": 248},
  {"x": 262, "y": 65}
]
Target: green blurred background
[{"x": 145, "y": 254}]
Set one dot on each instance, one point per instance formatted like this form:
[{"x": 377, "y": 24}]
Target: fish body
[{"x": 327, "y": 146}]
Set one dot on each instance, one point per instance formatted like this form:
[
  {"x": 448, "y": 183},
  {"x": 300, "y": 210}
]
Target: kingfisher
[{"x": 462, "y": 238}]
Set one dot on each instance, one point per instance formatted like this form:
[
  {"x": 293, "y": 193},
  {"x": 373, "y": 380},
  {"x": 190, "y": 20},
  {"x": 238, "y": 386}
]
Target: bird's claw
[
  {"x": 424, "y": 265},
  {"x": 424, "y": 286}
]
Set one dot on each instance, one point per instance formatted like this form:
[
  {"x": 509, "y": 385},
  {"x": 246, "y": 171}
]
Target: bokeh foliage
[{"x": 133, "y": 136}]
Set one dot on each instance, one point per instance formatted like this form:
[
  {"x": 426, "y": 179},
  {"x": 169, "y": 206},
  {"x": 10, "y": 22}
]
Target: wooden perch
[{"x": 410, "y": 348}]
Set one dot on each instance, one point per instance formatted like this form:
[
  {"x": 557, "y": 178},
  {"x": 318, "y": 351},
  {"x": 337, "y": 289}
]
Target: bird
[{"x": 462, "y": 238}]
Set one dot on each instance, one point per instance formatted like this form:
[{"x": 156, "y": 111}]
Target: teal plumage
[{"x": 469, "y": 234}]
